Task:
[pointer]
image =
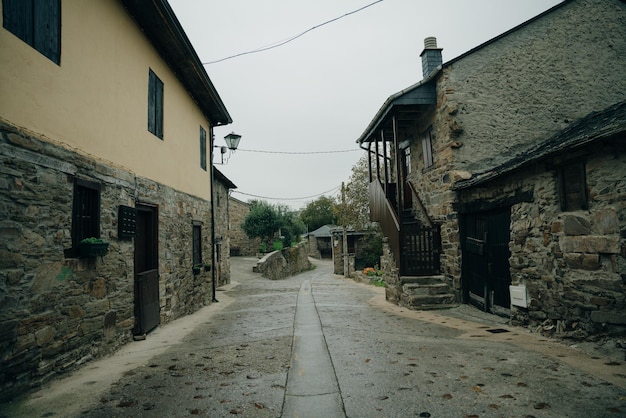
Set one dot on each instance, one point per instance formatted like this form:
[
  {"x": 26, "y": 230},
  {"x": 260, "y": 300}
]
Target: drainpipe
[{"x": 213, "y": 261}]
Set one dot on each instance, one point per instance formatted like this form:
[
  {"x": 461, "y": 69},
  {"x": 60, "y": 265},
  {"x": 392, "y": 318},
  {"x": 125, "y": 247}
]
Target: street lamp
[{"x": 232, "y": 142}]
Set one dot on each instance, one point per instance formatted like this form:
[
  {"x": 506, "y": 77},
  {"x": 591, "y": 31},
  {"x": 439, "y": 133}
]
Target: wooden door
[
  {"x": 147, "y": 309},
  {"x": 486, "y": 274}
]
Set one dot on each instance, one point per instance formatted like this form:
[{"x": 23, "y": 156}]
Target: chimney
[{"x": 431, "y": 56}]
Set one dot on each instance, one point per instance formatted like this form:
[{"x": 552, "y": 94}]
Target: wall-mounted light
[{"x": 232, "y": 142}]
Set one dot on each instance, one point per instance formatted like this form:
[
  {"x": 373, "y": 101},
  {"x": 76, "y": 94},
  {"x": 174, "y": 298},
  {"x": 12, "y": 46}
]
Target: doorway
[
  {"x": 485, "y": 269},
  {"x": 147, "y": 309}
]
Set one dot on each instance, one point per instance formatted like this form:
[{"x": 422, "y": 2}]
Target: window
[
  {"x": 407, "y": 160},
  {"x": 573, "y": 187},
  {"x": 202, "y": 148},
  {"x": 197, "y": 242},
  {"x": 427, "y": 149},
  {"x": 155, "y": 105},
  {"x": 36, "y": 22},
  {"x": 85, "y": 213}
]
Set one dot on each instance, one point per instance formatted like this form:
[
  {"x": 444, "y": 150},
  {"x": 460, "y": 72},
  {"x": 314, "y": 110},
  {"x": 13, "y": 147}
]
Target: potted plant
[
  {"x": 93, "y": 247},
  {"x": 207, "y": 266}
]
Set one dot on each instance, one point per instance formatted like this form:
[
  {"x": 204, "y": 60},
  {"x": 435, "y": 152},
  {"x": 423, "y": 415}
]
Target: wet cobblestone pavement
[{"x": 388, "y": 362}]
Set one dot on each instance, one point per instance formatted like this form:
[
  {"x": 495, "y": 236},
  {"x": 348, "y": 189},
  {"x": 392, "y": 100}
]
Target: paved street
[{"x": 318, "y": 345}]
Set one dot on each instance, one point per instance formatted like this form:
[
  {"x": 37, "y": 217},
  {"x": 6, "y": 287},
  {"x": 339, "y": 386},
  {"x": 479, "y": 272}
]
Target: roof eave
[
  {"x": 158, "y": 21},
  {"x": 392, "y": 101}
]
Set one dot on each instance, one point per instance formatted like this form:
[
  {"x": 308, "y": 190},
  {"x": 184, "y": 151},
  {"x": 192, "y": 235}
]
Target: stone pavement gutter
[
  {"x": 312, "y": 388},
  {"x": 83, "y": 388}
]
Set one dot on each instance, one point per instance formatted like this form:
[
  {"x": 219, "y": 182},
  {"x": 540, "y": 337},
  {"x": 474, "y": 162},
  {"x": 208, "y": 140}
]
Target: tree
[
  {"x": 291, "y": 226},
  {"x": 320, "y": 212},
  {"x": 263, "y": 221},
  {"x": 355, "y": 210}
]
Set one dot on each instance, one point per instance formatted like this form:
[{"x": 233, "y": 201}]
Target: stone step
[
  {"x": 429, "y": 289},
  {"x": 423, "y": 280},
  {"x": 429, "y": 301}
]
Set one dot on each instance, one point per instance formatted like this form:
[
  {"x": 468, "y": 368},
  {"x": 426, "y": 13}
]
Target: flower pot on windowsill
[
  {"x": 196, "y": 269},
  {"x": 207, "y": 266},
  {"x": 93, "y": 247}
]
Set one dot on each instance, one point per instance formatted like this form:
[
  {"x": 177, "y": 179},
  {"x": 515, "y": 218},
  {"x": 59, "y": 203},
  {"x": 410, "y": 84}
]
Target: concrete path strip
[{"x": 312, "y": 388}]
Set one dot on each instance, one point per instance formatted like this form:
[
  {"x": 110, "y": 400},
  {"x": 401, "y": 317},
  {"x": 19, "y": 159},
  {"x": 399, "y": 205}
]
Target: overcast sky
[{"x": 319, "y": 92}]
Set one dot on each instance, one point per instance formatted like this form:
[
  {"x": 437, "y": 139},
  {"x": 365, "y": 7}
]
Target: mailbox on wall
[{"x": 519, "y": 296}]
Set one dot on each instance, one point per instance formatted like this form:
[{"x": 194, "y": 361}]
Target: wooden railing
[
  {"x": 421, "y": 249},
  {"x": 382, "y": 212},
  {"x": 416, "y": 248}
]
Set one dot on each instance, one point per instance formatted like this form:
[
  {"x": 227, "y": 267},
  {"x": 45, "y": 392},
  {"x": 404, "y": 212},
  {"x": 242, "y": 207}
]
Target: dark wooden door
[
  {"x": 486, "y": 275},
  {"x": 147, "y": 309}
]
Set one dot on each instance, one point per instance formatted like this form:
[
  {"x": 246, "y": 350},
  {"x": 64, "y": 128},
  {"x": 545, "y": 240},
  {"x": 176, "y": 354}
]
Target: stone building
[
  {"x": 319, "y": 242},
  {"x": 452, "y": 238},
  {"x": 221, "y": 188},
  {"x": 106, "y": 129},
  {"x": 240, "y": 244}
]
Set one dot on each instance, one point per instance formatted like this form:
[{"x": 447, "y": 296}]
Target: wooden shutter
[
  {"x": 202, "y": 148},
  {"x": 47, "y": 28},
  {"x": 151, "y": 102},
  {"x": 17, "y": 18},
  {"x": 158, "y": 105}
]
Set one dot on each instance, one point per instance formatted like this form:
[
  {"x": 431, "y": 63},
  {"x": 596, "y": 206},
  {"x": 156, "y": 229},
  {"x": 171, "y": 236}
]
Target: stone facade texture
[
  {"x": 57, "y": 312},
  {"x": 501, "y": 98},
  {"x": 284, "y": 263},
  {"x": 222, "y": 231},
  {"x": 240, "y": 244},
  {"x": 572, "y": 264}
]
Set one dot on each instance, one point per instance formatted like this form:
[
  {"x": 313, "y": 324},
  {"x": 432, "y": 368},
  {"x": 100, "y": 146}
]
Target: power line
[
  {"x": 293, "y": 38},
  {"x": 298, "y": 152},
  {"x": 334, "y": 189}
]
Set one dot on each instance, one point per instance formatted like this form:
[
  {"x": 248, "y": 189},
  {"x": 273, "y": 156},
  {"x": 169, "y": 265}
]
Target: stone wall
[
  {"x": 222, "y": 232},
  {"x": 284, "y": 263},
  {"x": 533, "y": 82},
  {"x": 313, "y": 251},
  {"x": 518, "y": 89},
  {"x": 57, "y": 312},
  {"x": 240, "y": 244},
  {"x": 573, "y": 264}
]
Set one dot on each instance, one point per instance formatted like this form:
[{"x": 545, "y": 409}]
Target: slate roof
[
  {"x": 323, "y": 231},
  {"x": 593, "y": 127}
]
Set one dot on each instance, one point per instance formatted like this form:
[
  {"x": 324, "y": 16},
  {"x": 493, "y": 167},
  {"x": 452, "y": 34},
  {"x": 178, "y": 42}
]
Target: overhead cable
[
  {"x": 298, "y": 152},
  {"x": 293, "y": 38},
  {"x": 335, "y": 189}
]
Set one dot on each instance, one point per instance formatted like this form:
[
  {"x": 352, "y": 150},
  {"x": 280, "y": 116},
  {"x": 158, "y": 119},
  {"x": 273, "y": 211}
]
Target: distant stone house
[
  {"x": 320, "y": 242},
  {"x": 240, "y": 244},
  {"x": 106, "y": 121},
  {"x": 461, "y": 226},
  {"x": 347, "y": 250},
  {"x": 221, "y": 188}
]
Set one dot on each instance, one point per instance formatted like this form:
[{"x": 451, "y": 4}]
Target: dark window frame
[
  {"x": 36, "y": 22},
  {"x": 85, "y": 213},
  {"x": 155, "y": 104},
  {"x": 427, "y": 149},
  {"x": 572, "y": 186},
  {"x": 196, "y": 242},
  {"x": 203, "y": 148}
]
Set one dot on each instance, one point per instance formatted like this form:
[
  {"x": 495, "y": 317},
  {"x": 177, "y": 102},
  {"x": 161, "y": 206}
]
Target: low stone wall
[{"x": 284, "y": 263}]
